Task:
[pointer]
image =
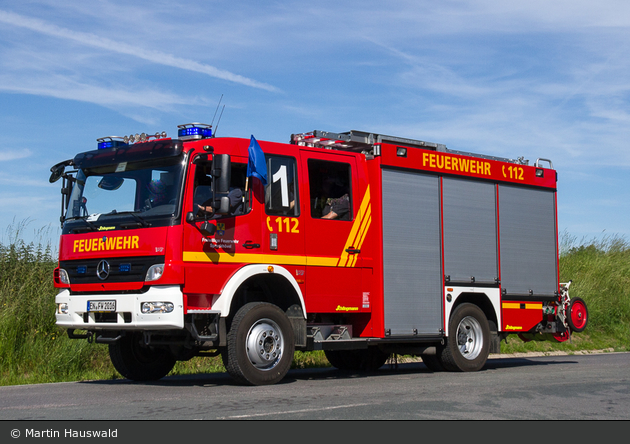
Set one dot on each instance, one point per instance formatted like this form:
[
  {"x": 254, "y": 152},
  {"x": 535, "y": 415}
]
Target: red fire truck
[{"x": 358, "y": 244}]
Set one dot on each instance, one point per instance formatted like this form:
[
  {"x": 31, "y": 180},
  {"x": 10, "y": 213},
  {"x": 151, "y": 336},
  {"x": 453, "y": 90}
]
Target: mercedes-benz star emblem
[{"x": 102, "y": 270}]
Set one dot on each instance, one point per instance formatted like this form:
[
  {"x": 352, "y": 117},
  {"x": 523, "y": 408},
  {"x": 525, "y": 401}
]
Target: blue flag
[{"x": 256, "y": 166}]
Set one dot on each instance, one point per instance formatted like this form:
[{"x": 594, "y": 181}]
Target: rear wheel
[
  {"x": 337, "y": 359},
  {"x": 366, "y": 360},
  {"x": 578, "y": 315},
  {"x": 468, "y": 345},
  {"x": 561, "y": 337},
  {"x": 260, "y": 345},
  {"x": 432, "y": 362},
  {"x": 135, "y": 361}
]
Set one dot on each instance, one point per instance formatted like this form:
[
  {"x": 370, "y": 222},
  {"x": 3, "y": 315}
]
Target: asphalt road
[{"x": 571, "y": 387}]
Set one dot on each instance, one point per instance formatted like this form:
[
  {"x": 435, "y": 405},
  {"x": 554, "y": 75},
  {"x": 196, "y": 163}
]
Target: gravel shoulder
[
  {"x": 403, "y": 359},
  {"x": 550, "y": 353}
]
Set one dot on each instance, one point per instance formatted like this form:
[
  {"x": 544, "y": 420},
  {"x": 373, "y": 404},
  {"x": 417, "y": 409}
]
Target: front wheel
[
  {"x": 260, "y": 345},
  {"x": 135, "y": 361},
  {"x": 468, "y": 345}
]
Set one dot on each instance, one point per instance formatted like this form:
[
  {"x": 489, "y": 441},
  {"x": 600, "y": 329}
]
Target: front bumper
[{"x": 127, "y": 316}]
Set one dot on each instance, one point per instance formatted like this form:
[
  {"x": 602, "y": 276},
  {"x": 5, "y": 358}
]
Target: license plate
[{"x": 103, "y": 306}]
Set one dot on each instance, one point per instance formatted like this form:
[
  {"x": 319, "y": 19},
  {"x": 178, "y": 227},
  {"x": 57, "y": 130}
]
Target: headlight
[
  {"x": 61, "y": 276},
  {"x": 62, "y": 308},
  {"x": 154, "y": 272},
  {"x": 156, "y": 307}
]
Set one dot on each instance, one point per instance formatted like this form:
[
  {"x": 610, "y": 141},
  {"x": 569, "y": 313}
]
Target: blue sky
[{"x": 537, "y": 79}]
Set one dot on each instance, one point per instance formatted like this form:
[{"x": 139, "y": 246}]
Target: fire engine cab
[{"x": 358, "y": 244}]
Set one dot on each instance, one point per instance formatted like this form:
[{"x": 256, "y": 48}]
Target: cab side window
[
  {"x": 329, "y": 184},
  {"x": 202, "y": 193},
  {"x": 281, "y": 191}
]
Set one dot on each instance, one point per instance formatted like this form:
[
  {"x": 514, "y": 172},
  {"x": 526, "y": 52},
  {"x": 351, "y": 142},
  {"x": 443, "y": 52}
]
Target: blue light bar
[
  {"x": 106, "y": 142},
  {"x": 194, "y": 131}
]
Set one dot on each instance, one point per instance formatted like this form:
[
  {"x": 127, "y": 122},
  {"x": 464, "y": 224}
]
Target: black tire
[
  {"x": 577, "y": 318},
  {"x": 137, "y": 362},
  {"x": 432, "y": 362},
  {"x": 253, "y": 356},
  {"x": 364, "y": 360},
  {"x": 468, "y": 345},
  {"x": 336, "y": 358}
]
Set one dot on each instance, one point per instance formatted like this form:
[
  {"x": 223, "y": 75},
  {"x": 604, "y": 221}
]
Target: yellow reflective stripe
[
  {"x": 252, "y": 258},
  {"x": 322, "y": 261},
  {"x": 243, "y": 258},
  {"x": 529, "y": 306}
]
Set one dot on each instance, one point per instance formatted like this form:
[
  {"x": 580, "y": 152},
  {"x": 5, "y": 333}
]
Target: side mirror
[
  {"x": 200, "y": 159},
  {"x": 221, "y": 172},
  {"x": 224, "y": 205},
  {"x": 58, "y": 170},
  {"x": 207, "y": 229}
]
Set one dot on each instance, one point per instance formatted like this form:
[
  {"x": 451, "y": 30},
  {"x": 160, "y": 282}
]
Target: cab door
[
  {"x": 283, "y": 216},
  {"x": 332, "y": 242},
  {"x": 210, "y": 258}
]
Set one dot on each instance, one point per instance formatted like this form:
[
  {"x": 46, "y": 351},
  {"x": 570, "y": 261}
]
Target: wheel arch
[
  {"x": 485, "y": 300},
  {"x": 260, "y": 283}
]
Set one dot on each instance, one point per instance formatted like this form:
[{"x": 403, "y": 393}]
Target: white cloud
[
  {"x": 7, "y": 155},
  {"x": 19, "y": 181},
  {"x": 153, "y": 56},
  {"x": 63, "y": 87}
]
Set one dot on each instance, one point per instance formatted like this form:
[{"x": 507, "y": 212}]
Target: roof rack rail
[
  {"x": 357, "y": 140},
  {"x": 361, "y": 141}
]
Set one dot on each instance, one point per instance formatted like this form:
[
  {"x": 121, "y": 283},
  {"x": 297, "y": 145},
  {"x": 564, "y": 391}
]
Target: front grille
[
  {"x": 121, "y": 269},
  {"x": 106, "y": 318}
]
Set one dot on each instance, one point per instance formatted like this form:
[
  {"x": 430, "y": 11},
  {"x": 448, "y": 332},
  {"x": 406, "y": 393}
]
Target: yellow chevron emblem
[{"x": 358, "y": 232}]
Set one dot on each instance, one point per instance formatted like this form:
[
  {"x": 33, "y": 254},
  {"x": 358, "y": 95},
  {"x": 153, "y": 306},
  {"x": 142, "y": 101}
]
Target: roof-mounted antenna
[
  {"x": 215, "y": 111},
  {"x": 217, "y": 127}
]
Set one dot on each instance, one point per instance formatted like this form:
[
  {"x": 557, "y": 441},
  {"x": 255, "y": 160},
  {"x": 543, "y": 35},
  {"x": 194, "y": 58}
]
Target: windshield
[{"x": 140, "y": 190}]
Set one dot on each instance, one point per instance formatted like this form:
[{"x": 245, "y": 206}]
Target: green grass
[
  {"x": 600, "y": 271},
  {"x": 34, "y": 350}
]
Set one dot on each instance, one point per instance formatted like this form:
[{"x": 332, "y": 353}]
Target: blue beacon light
[
  {"x": 194, "y": 131},
  {"x": 109, "y": 142}
]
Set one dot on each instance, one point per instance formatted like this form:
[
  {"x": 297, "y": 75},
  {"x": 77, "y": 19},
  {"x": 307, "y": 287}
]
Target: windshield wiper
[
  {"x": 90, "y": 227},
  {"x": 140, "y": 221}
]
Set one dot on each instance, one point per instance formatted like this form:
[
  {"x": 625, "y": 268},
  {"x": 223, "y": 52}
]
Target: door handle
[
  {"x": 353, "y": 250},
  {"x": 249, "y": 245}
]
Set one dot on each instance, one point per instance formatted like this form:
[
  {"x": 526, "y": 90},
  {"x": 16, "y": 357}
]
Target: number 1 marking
[{"x": 281, "y": 175}]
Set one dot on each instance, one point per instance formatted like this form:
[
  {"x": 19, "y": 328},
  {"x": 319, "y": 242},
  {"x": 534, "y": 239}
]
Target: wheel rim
[
  {"x": 469, "y": 338},
  {"x": 578, "y": 314},
  {"x": 561, "y": 337},
  {"x": 264, "y": 344}
]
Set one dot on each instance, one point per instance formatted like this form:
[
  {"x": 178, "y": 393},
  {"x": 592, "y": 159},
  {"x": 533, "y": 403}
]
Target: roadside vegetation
[{"x": 34, "y": 350}]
